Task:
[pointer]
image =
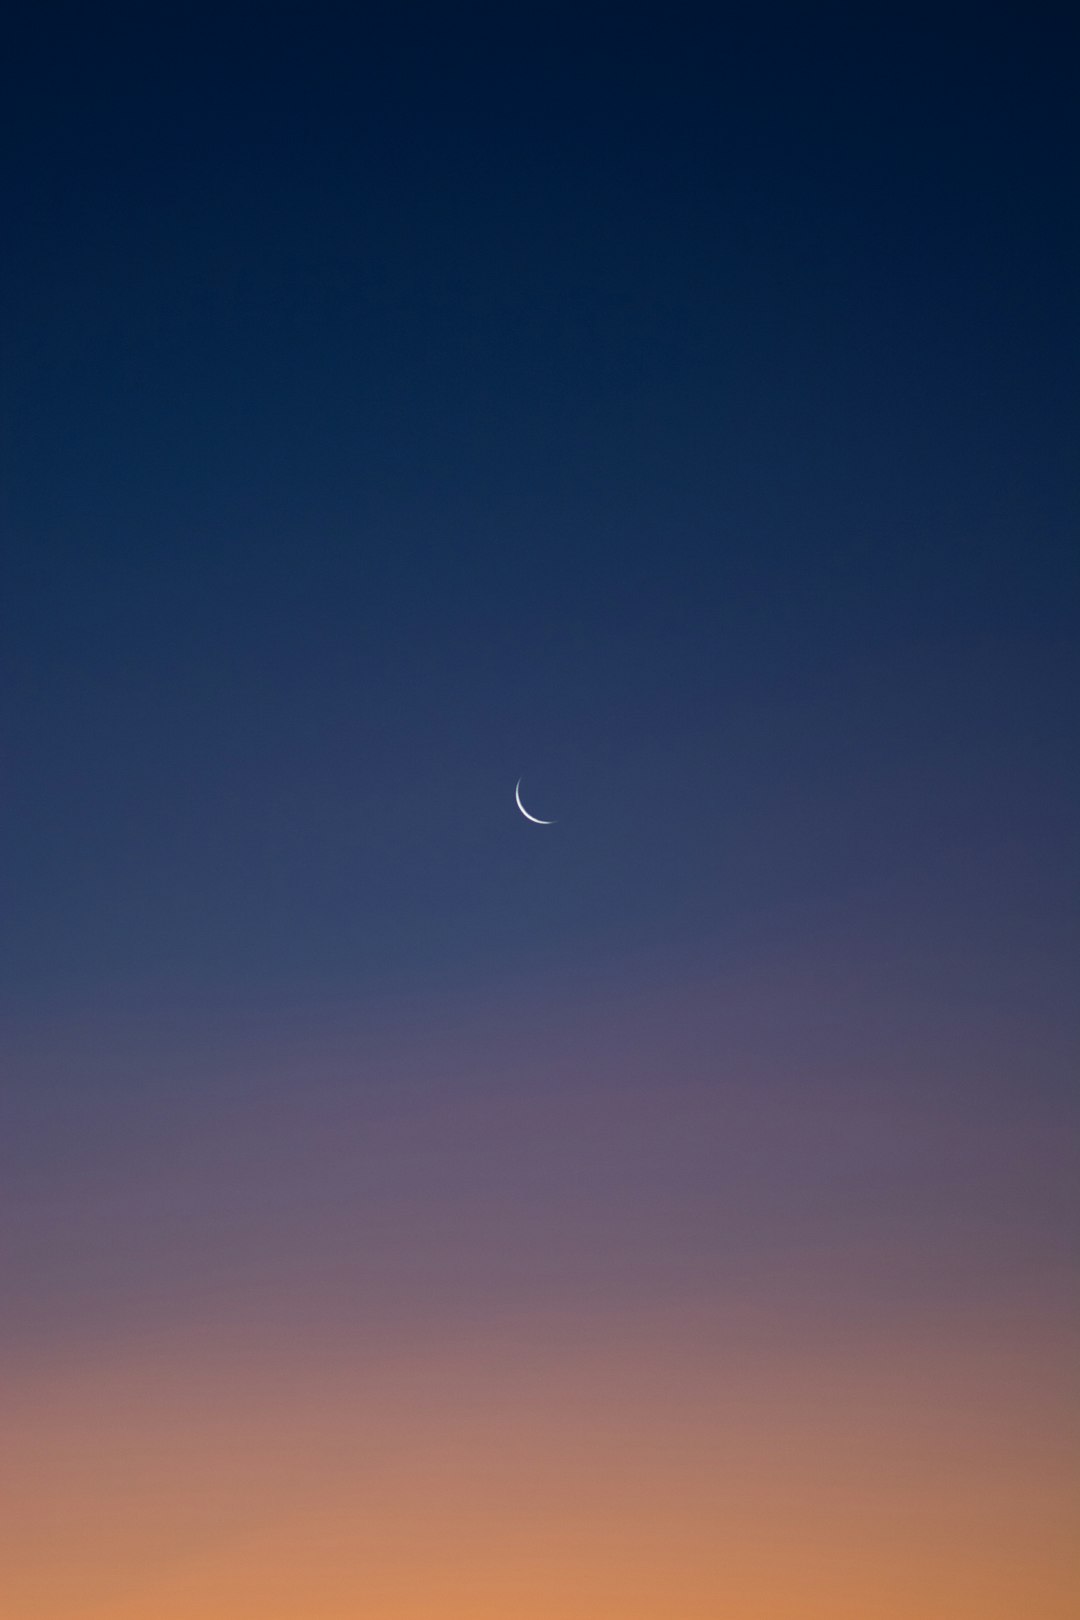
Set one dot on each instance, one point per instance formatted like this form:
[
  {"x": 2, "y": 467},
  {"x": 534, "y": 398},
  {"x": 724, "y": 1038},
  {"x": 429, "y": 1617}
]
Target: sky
[{"x": 408, "y": 1210}]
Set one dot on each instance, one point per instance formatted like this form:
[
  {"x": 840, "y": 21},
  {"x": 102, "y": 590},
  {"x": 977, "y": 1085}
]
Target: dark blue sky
[
  {"x": 406, "y": 1209},
  {"x": 679, "y": 415}
]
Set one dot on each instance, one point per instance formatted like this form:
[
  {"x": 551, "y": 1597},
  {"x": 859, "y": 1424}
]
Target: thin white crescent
[{"x": 525, "y": 813}]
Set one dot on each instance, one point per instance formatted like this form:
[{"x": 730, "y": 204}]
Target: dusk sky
[{"x": 408, "y": 1211}]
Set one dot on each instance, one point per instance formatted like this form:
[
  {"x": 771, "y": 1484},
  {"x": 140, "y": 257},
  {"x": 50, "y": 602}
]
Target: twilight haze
[{"x": 410, "y": 1211}]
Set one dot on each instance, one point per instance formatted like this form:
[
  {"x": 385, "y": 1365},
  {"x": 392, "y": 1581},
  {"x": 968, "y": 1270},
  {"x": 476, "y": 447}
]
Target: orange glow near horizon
[
  {"x": 545, "y": 1467},
  {"x": 609, "y": 1339}
]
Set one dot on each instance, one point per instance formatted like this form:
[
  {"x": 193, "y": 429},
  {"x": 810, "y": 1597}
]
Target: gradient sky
[{"x": 407, "y": 1211}]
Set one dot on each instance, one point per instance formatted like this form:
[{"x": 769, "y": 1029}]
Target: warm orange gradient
[
  {"x": 585, "y": 1469},
  {"x": 682, "y": 1307}
]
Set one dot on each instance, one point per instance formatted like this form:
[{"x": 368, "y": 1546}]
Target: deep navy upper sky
[{"x": 679, "y": 415}]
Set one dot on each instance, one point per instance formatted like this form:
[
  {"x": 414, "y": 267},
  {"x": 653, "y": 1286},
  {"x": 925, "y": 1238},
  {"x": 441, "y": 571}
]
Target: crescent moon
[{"x": 525, "y": 813}]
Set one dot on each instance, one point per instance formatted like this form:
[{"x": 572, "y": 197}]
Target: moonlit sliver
[{"x": 525, "y": 813}]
